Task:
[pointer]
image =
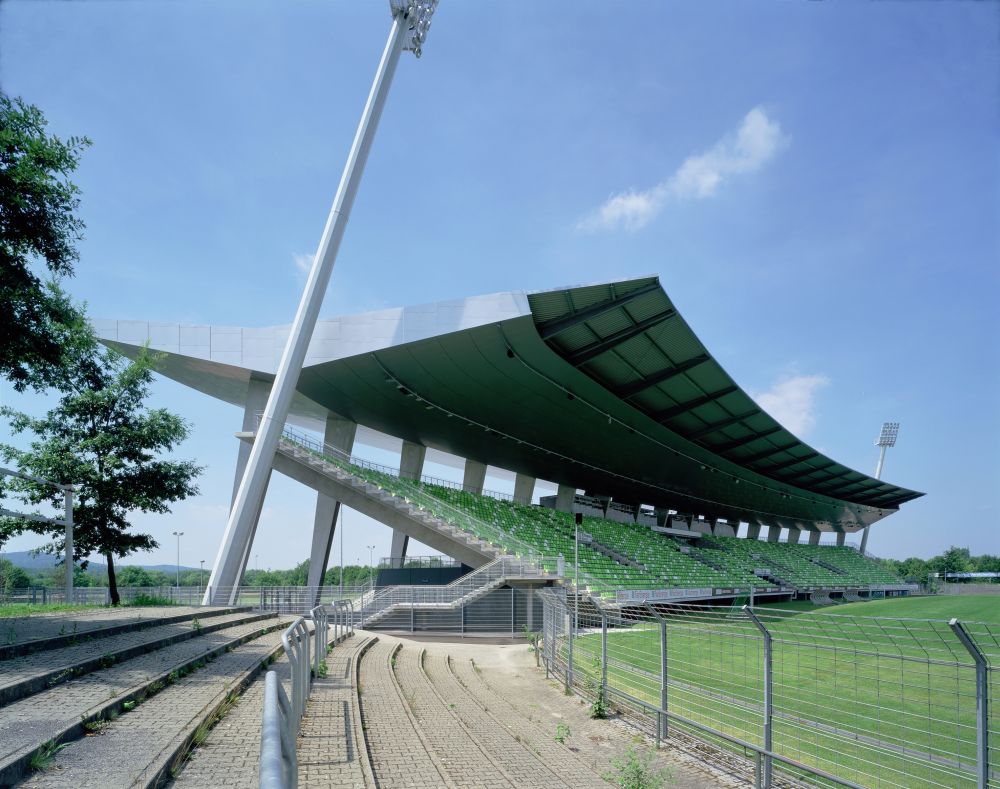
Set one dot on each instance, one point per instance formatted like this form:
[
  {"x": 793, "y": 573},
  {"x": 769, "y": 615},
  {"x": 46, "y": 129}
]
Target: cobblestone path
[
  {"x": 27, "y": 723},
  {"x": 399, "y": 756},
  {"x": 331, "y": 750},
  {"x": 470, "y": 760},
  {"x": 129, "y": 751},
  {"x": 565, "y": 766},
  {"x": 26, "y": 667}
]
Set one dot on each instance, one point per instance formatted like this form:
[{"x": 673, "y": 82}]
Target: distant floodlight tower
[
  {"x": 886, "y": 439},
  {"x": 411, "y": 20}
]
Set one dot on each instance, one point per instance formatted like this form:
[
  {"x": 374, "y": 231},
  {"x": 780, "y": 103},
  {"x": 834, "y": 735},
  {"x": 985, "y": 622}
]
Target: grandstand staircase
[
  {"x": 378, "y": 605},
  {"x": 826, "y": 565},
  {"x": 359, "y": 494},
  {"x": 614, "y": 555}
]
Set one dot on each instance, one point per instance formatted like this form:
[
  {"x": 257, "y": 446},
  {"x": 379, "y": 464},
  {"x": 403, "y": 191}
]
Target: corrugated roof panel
[
  {"x": 610, "y": 322},
  {"x": 647, "y": 306},
  {"x": 669, "y": 344}
]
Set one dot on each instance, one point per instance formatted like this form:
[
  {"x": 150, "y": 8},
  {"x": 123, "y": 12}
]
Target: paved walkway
[
  {"x": 19, "y": 629},
  {"x": 29, "y": 722},
  {"x": 331, "y": 750},
  {"x": 434, "y": 718},
  {"x": 129, "y": 751},
  {"x": 400, "y": 757}
]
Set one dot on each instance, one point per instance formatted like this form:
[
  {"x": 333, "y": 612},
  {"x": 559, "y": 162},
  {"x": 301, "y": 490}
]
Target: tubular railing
[
  {"x": 425, "y": 501},
  {"x": 458, "y": 591},
  {"x": 821, "y": 699},
  {"x": 306, "y": 650},
  {"x": 279, "y": 767}
]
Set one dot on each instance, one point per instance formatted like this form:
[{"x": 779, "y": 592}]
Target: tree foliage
[
  {"x": 38, "y": 229},
  {"x": 101, "y": 439}
]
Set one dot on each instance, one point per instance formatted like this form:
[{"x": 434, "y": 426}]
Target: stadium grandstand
[{"x": 671, "y": 481}]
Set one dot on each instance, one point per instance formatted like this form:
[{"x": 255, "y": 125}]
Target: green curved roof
[{"x": 630, "y": 338}]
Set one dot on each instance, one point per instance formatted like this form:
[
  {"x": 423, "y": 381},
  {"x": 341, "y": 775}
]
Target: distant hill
[{"x": 27, "y": 560}]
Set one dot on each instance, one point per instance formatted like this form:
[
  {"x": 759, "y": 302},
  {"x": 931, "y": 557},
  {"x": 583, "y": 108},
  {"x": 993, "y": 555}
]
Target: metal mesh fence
[{"x": 823, "y": 699}]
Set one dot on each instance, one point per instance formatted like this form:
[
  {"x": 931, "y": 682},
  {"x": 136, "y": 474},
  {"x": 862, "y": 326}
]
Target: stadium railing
[
  {"x": 823, "y": 699},
  {"x": 306, "y": 649}
]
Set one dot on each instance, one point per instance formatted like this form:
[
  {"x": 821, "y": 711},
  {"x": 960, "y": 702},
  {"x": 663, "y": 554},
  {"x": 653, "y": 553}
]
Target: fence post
[
  {"x": 512, "y": 612},
  {"x": 569, "y": 657},
  {"x": 982, "y": 704},
  {"x": 604, "y": 655},
  {"x": 766, "y": 783}
]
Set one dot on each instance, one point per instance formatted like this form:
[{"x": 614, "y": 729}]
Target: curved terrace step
[
  {"x": 27, "y": 674},
  {"x": 155, "y": 736},
  {"x": 37, "y": 632},
  {"x": 60, "y": 714}
]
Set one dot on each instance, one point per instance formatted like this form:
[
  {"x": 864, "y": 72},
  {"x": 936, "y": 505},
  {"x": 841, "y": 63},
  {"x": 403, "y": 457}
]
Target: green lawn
[
  {"x": 30, "y": 609},
  {"x": 968, "y": 608},
  {"x": 853, "y": 695}
]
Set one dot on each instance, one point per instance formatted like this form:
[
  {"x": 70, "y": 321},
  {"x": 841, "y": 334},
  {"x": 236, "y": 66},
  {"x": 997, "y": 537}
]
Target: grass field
[
  {"x": 968, "y": 608},
  {"x": 882, "y": 702}
]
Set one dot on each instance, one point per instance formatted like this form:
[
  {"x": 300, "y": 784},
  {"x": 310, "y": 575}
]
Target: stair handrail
[{"x": 413, "y": 486}]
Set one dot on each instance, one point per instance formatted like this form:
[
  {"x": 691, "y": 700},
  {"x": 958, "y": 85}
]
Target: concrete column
[
  {"x": 257, "y": 394},
  {"x": 736, "y": 528},
  {"x": 475, "y": 476},
  {"x": 661, "y": 515},
  {"x": 400, "y": 542},
  {"x": 793, "y": 534},
  {"x": 774, "y": 533},
  {"x": 524, "y": 488},
  {"x": 840, "y": 537},
  {"x": 529, "y": 608},
  {"x": 338, "y": 434},
  {"x": 411, "y": 466},
  {"x": 753, "y": 531},
  {"x": 814, "y": 537},
  {"x": 226, "y": 573},
  {"x": 565, "y": 496}
]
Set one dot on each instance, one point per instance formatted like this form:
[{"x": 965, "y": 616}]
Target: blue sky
[{"x": 816, "y": 184}]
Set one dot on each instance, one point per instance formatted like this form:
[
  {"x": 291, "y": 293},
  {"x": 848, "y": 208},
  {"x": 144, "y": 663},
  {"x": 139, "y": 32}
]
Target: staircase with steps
[
  {"x": 413, "y": 513},
  {"x": 378, "y": 604},
  {"x": 145, "y": 690}
]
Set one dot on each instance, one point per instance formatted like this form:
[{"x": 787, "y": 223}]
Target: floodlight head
[
  {"x": 416, "y": 15},
  {"x": 887, "y": 438}
]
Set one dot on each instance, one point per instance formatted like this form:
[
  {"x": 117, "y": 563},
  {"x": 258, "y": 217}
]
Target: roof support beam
[
  {"x": 803, "y": 474},
  {"x": 792, "y": 462},
  {"x": 594, "y": 350},
  {"x": 683, "y": 408},
  {"x": 550, "y": 328},
  {"x": 628, "y": 390},
  {"x": 769, "y": 452},
  {"x": 733, "y": 420},
  {"x": 739, "y": 442}
]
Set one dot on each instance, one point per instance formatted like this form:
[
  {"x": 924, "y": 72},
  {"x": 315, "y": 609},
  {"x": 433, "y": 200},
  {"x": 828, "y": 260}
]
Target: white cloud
[
  {"x": 792, "y": 401},
  {"x": 302, "y": 264},
  {"x": 753, "y": 145}
]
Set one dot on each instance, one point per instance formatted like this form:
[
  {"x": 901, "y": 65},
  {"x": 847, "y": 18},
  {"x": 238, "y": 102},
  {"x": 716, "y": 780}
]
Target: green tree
[
  {"x": 38, "y": 230},
  {"x": 134, "y": 576},
  {"x": 12, "y": 577},
  {"x": 103, "y": 440}
]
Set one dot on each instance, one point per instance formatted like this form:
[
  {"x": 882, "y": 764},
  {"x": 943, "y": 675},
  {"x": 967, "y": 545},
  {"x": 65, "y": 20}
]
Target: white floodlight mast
[
  {"x": 886, "y": 439},
  {"x": 410, "y": 22}
]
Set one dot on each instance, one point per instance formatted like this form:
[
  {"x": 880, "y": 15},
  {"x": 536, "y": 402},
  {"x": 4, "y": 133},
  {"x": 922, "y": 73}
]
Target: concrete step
[
  {"x": 28, "y": 674},
  {"x": 158, "y": 734},
  {"x": 39, "y": 723},
  {"x": 26, "y": 634}
]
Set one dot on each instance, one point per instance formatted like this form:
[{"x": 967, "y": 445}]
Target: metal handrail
[
  {"x": 278, "y": 760},
  {"x": 419, "y": 496}
]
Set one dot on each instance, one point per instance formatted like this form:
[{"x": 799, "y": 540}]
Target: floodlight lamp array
[
  {"x": 416, "y": 14},
  {"x": 887, "y": 438}
]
